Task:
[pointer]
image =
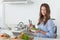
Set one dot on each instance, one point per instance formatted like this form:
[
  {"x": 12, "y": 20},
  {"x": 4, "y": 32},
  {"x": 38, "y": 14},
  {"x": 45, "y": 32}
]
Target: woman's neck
[{"x": 44, "y": 17}]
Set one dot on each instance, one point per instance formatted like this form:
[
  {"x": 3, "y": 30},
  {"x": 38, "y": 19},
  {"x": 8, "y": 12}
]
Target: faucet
[{"x": 21, "y": 24}]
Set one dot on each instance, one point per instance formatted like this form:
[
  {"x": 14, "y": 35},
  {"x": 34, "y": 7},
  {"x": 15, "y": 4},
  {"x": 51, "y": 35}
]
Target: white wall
[
  {"x": 1, "y": 15},
  {"x": 17, "y": 13}
]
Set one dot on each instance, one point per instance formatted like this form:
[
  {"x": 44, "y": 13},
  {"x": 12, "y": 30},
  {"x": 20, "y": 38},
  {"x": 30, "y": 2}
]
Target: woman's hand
[{"x": 37, "y": 31}]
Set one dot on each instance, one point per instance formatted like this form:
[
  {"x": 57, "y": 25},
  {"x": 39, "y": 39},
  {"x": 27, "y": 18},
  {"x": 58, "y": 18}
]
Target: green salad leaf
[
  {"x": 35, "y": 29},
  {"x": 25, "y": 37}
]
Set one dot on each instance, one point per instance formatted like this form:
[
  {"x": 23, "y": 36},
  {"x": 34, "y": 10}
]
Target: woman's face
[{"x": 43, "y": 11}]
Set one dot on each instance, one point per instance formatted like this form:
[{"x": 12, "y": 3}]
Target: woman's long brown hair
[{"x": 47, "y": 16}]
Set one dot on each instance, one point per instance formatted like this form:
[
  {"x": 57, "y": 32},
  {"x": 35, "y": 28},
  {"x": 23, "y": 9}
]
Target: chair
[{"x": 55, "y": 28}]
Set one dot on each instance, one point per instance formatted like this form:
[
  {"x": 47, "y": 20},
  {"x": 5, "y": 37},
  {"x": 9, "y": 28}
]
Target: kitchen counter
[{"x": 36, "y": 38}]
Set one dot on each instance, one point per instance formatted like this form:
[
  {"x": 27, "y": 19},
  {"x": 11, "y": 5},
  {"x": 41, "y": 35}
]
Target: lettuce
[{"x": 35, "y": 29}]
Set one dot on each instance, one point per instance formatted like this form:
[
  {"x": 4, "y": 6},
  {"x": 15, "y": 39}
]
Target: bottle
[{"x": 30, "y": 24}]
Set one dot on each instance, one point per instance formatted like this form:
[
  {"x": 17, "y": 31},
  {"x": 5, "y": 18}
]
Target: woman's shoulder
[{"x": 50, "y": 21}]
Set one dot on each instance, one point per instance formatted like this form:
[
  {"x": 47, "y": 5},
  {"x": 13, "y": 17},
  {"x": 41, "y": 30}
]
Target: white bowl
[{"x": 33, "y": 30}]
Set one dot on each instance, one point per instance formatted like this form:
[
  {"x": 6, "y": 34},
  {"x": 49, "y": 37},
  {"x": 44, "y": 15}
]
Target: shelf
[{"x": 17, "y": 1}]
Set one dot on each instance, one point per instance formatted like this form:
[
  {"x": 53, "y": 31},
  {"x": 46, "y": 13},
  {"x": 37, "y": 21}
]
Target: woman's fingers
[{"x": 37, "y": 31}]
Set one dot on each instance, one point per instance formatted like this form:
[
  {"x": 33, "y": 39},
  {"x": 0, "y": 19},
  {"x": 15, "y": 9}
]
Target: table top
[{"x": 36, "y": 38}]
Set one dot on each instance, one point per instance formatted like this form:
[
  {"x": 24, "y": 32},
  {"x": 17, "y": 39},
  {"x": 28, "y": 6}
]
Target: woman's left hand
[{"x": 37, "y": 31}]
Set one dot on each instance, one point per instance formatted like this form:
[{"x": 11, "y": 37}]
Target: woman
[{"x": 45, "y": 23}]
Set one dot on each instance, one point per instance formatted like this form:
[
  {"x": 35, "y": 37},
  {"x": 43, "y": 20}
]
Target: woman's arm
[{"x": 50, "y": 29}]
